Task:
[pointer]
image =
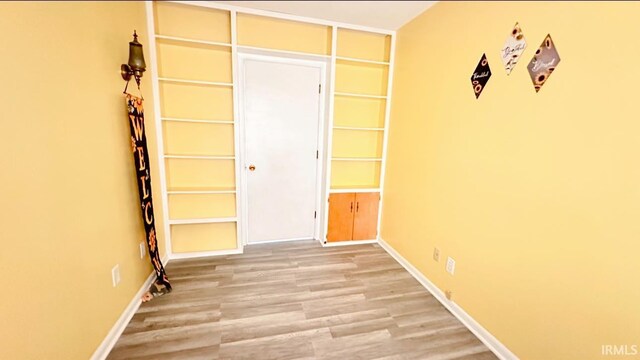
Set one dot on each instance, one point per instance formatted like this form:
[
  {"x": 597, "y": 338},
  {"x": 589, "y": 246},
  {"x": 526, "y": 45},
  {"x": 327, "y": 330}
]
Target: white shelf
[
  {"x": 201, "y": 191},
  {"x": 360, "y": 95},
  {"x": 343, "y": 58},
  {"x": 203, "y": 121},
  {"x": 357, "y": 128},
  {"x": 202, "y": 221},
  {"x": 200, "y": 157},
  {"x": 353, "y": 190},
  {"x": 356, "y": 159},
  {"x": 192, "y": 41},
  {"x": 195, "y": 82}
]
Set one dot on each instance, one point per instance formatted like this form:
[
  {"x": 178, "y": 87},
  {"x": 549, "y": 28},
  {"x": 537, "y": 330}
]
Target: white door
[{"x": 281, "y": 107}]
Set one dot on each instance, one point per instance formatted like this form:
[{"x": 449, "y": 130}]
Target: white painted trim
[
  {"x": 332, "y": 90},
  {"x": 222, "y": 122},
  {"x": 194, "y": 41},
  {"x": 320, "y": 64},
  {"x": 356, "y": 159},
  {"x": 239, "y": 9},
  {"x": 199, "y": 157},
  {"x": 112, "y": 337},
  {"x": 237, "y": 131},
  {"x": 321, "y": 144},
  {"x": 480, "y": 332},
  {"x": 195, "y": 82},
  {"x": 353, "y": 190},
  {"x": 185, "y": 192},
  {"x": 344, "y": 58},
  {"x": 203, "y": 221},
  {"x": 355, "y": 128},
  {"x": 201, "y": 254},
  {"x": 360, "y": 95},
  {"x": 348, "y": 243},
  {"x": 385, "y": 136},
  {"x": 281, "y": 52},
  {"x": 157, "y": 111}
]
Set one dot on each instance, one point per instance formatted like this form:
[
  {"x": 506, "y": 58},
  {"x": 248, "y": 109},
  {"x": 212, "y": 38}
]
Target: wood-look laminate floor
[{"x": 296, "y": 300}]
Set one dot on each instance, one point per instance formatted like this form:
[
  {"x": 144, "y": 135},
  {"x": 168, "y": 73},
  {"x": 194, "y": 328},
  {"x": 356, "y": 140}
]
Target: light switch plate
[
  {"x": 436, "y": 254},
  {"x": 142, "y": 250}
]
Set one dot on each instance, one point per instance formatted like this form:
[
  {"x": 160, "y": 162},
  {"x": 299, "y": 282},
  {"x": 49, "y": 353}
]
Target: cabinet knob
[{"x": 252, "y": 167}]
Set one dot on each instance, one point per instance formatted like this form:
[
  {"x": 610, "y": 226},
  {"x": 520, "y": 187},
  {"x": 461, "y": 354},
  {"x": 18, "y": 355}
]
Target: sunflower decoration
[
  {"x": 513, "y": 48},
  {"x": 481, "y": 76},
  {"x": 543, "y": 63}
]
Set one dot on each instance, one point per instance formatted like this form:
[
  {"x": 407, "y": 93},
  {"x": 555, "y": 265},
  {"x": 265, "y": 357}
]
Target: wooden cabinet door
[
  {"x": 365, "y": 223},
  {"x": 341, "y": 211}
]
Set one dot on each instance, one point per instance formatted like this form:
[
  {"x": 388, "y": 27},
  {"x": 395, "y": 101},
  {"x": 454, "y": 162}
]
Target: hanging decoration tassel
[{"x": 141, "y": 158}]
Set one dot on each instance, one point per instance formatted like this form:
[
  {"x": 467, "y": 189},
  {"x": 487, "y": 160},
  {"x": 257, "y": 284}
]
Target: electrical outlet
[
  {"x": 142, "y": 250},
  {"x": 115, "y": 275},
  {"x": 436, "y": 254},
  {"x": 451, "y": 265}
]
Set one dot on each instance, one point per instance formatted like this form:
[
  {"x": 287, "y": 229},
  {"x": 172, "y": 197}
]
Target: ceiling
[{"x": 388, "y": 15}]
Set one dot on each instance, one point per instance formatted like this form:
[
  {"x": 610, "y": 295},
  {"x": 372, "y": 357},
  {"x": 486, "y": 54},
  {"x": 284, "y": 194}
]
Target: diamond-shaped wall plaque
[
  {"x": 481, "y": 76},
  {"x": 543, "y": 63},
  {"x": 513, "y": 48}
]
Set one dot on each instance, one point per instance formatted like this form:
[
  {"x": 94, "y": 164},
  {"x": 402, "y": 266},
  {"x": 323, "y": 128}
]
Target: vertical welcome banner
[{"x": 141, "y": 161}]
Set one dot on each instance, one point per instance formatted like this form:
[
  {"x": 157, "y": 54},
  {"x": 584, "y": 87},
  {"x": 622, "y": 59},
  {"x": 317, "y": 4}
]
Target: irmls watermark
[{"x": 620, "y": 350}]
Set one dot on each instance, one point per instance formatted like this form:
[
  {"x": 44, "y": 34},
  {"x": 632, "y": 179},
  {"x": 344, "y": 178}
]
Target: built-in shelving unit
[
  {"x": 362, "y": 76},
  {"x": 363, "y": 71},
  {"x": 194, "y": 50},
  {"x": 194, "y": 55}
]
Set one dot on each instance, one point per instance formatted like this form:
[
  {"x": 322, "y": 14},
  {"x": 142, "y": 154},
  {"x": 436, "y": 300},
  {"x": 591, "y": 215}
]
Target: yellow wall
[
  {"x": 273, "y": 33},
  {"x": 70, "y": 209},
  {"x": 536, "y": 196}
]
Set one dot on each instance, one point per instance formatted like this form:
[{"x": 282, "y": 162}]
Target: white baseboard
[
  {"x": 485, "y": 336},
  {"x": 199, "y": 254},
  {"x": 348, "y": 243},
  {"x": 109, "y": 342}
]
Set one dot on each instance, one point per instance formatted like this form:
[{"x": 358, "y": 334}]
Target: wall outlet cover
[
  {"x": 436, "y": 254},
  {"x": 451, "y": 265}
]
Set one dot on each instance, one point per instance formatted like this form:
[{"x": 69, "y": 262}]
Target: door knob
[{"x": 252, "y": 167}]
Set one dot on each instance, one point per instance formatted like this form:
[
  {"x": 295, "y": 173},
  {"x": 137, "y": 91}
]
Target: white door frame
[{"x": 242, "y": 193}]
